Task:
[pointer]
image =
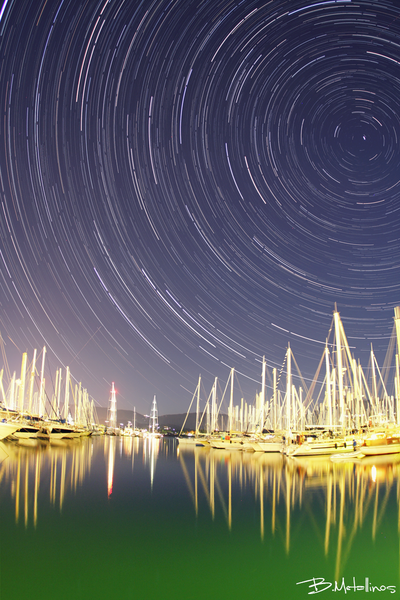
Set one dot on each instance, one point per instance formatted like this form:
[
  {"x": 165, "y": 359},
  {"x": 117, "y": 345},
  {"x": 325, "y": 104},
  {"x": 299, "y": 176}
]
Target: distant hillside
[
  {"x": 123, "y": 416},
  {"x": 176, "y": 421},
  {"x": 142, "y": 422}
]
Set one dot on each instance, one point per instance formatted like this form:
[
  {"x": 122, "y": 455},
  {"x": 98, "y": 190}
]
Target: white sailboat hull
[
  {"x": 7, "y": 429},
  {"x": 26, "y": 433},
  {"x": 58, "y": 433},
  {"x": 323, "y": 447},
  {"x": 380, "y": 449},
  {"x": 272, "y": 446},
  {"x": 192, "y": 441},
  {"x": 232, "y": 444}
]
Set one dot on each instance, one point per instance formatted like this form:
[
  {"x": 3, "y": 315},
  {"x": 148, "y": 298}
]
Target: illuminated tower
[
  {"x": 153, "y": 425},
  {"x": 112, "y": 409}
]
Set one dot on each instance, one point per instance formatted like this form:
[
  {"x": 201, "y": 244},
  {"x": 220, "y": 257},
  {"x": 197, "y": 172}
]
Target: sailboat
[
  {"x": 332, "y": 437},
  {"x": 26, "y": 432},
  {"x": 231, "y": 439},
  {"x": 153, "y": 423},
  {"x": 384, "y": 442},
  {"x": 270, "y": 442},
  {"x": 195, "y": 439},
  {"x": 7, "y": 428}
]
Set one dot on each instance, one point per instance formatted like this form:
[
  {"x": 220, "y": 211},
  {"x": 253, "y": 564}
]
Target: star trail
[{"x": 188, "y": 186}]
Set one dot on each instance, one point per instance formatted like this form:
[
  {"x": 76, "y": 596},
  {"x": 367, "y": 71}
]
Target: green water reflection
[{"x": 129, "y": 518}]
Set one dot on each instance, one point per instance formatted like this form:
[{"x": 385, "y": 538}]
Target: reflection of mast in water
[
  {"x": 203, "y": 480},
  {"x": 63, "y": 475},
  {"x": 36, "y": 489},
  {"x": 186, "y": 474},
  {"x": 196, "y": 498},
  {"x": 17, "y": 490},
  {"x": 349, "y": 491},
  {"x": 111, "y": 462},
  {"x": 288, "y": 484},
  {"x": 151, "y": 446},
  {"x": 23, "y": 469},
  {"x": 216, "y": 454},
  {"x": 261, "y": 477},
  {"x": 212, "y": 484},
  {"x": 129, "y": 445},
  {"x": 230, "y": 494},
  {"x": 274, "y": 493},
  {"x": 352, "y": 492},
  {"x": 265, "y": 465},
  {"x": 398, "y": 498},
  {"x": 209, "y": 490},
  {"x": 328, "y": 511},
  {"x": 342, "y": 489}
]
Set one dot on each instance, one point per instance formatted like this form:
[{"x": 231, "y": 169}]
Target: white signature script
[{"x": 318, "y": 585}]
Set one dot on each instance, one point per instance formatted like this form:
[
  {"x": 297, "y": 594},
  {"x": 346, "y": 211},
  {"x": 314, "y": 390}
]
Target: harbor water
[{"x": 129, "y": 518}]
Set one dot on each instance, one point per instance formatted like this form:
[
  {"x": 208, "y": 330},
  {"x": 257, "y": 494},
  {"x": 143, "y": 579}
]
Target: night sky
[{"x": 188, "y": 186}]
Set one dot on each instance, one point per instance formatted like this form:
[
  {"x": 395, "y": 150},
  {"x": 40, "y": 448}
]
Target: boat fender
[
  {"x": 335, "y": 446},
  {"x": 345, "y": 445}
]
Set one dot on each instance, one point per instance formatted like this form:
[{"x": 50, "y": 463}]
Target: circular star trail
[{"x": 186, "y": 187}]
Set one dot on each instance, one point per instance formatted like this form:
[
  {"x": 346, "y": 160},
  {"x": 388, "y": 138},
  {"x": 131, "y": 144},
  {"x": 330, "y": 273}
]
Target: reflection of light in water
[
  {"x": 36, "y": 490},
  {"x": 63, "y": 473},
  {"x": 3, "y": 452},
  {"x": 29, "y": 466},
  {"x": 297, "y": 484},
  {"x": 373, "y": 474},
  {"x": 261, "y": 503},
  {"x": 111, "y": 461},
  {"x": 26, "y": 493},
  {"x": 230, "y": 495},
  {"x": 151, "y": 447}
]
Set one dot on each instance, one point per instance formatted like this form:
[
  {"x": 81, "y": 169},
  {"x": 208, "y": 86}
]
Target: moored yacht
[
  {"x": 7, "y": 428},
  {"x": 26, "y": 432},
  {"x": 193, "y": 440},
  {"x": 269, "y": 443},
  {"x": 381, "y": 443},
  {"x": 230, "y": 441},
  {"x": 323, "y": 445},
  {"x": 56, "y": 431}
]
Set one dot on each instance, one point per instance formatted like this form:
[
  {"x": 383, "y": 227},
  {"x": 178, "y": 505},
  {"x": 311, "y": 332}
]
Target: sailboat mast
[
  {"x": 11, "y": 396},
  {"x": 214, "y": 406},
  {"x": 374, "y": 390},
  {"x": 328, "y": 386},
  {"x": 198, "y": 406},
  {"x": 41, "y": 389},
  {"x": 59, "y": 391},
  {"x": 274, "y": 424},
  {"x": 336, "y": 317},
  {"x": 21, "y": 396},
  {"x": 288, "y": 387},
  {"x": 264, "y": 365},
  {"x": 2, "y": 387},
  {"x": 66, "y": 399},
  {"x": 397, "y": 323},
  {"x": 396, "y": 390},
  {"x": 31, "y": 382},
  {"x": 397, "y": 377},
  {"x": 231, "y": 402},
  {"x": 55, "y": 395}
]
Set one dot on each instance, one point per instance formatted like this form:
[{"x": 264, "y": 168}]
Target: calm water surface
[{"x": 127, "y": 518}]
